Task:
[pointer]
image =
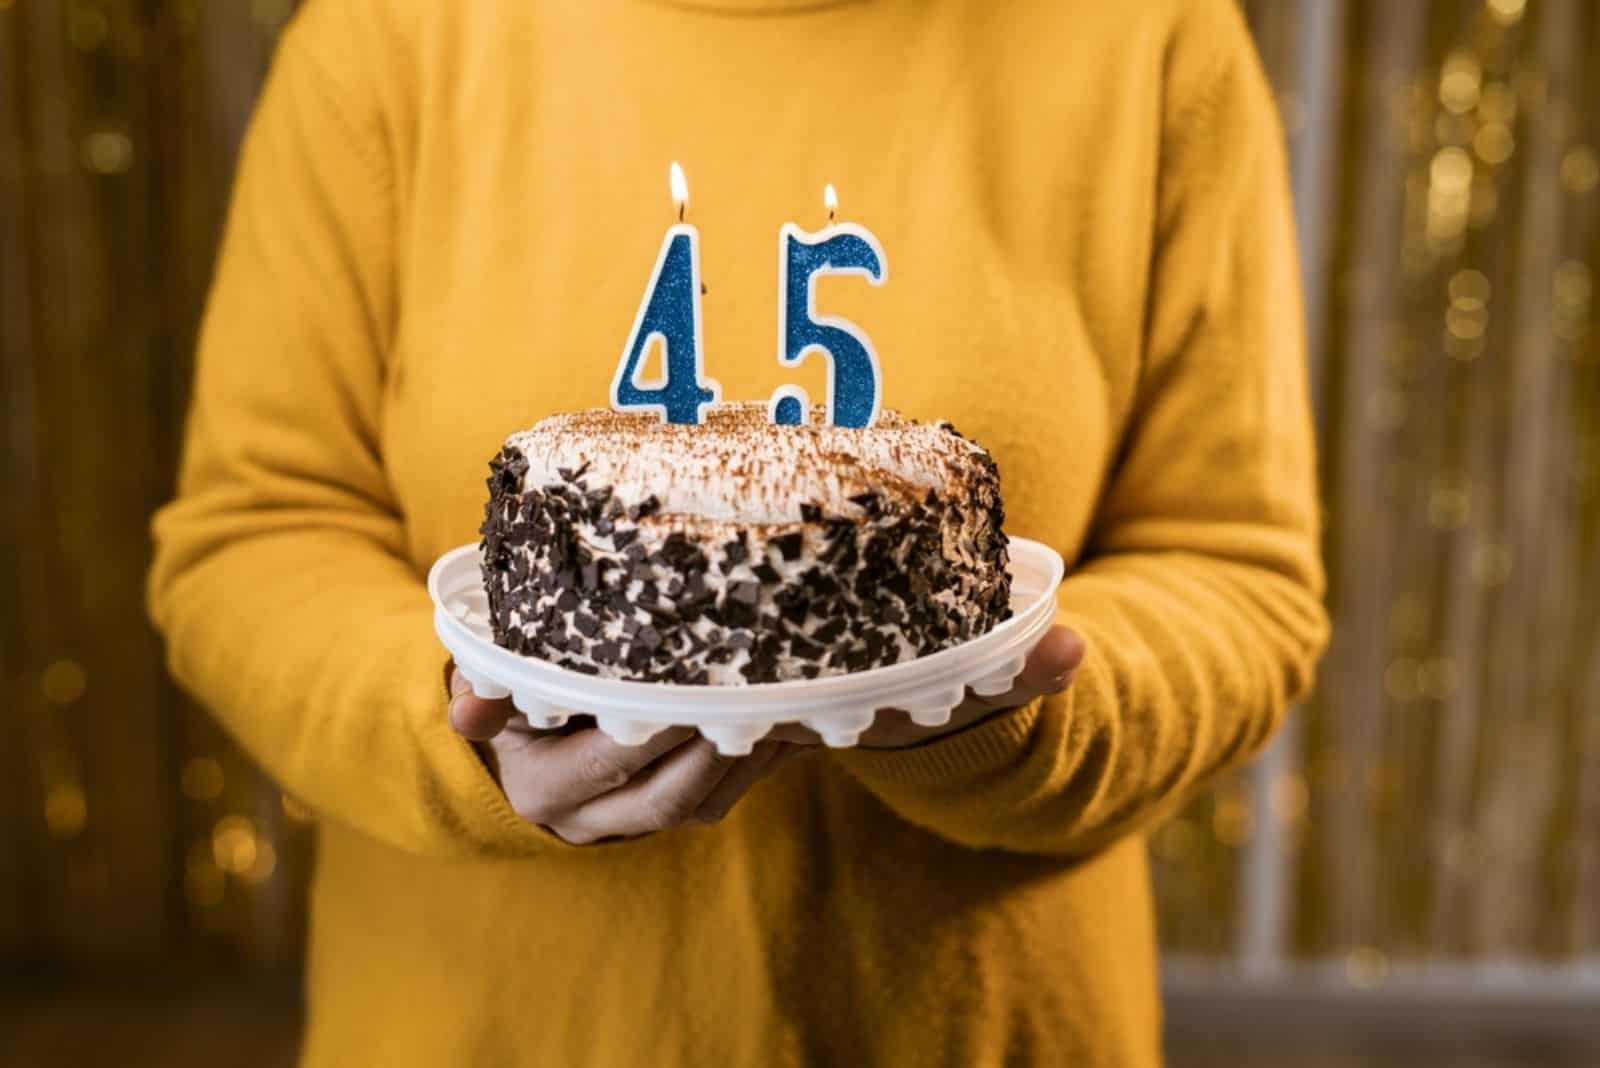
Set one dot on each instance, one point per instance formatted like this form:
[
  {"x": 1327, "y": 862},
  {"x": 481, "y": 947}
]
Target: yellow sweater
[{"x": 445, "y": 217}]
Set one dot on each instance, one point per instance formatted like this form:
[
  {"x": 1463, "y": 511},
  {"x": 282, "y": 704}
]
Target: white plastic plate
[{"x": 734, "y": 718}]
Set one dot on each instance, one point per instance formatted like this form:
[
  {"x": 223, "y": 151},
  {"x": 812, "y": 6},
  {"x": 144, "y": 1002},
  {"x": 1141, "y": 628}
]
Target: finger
[
  {"x": 472, "y": 716},
  {"x": 1048, "y": 670},
  {"x": 743, "y": 775},
  {"x": 795, "y": 734},
  {"x": 790, "y": 751},
  {"x": 1050, "y": 666},
  {"x": 576, "y": 768},
  {"x": 667, "y": 797},
  {"x": 546, "y": 776}
]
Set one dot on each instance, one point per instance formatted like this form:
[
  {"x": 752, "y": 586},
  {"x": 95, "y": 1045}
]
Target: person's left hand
[{"x": 1048, "y": 670}]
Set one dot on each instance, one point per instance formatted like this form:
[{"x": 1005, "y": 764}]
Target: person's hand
[
  {"x": 1048, "y": 670},
  {"x": 584, "y": 787}
]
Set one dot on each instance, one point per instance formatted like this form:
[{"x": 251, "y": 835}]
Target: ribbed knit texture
[{"x": 444, "y": 221}]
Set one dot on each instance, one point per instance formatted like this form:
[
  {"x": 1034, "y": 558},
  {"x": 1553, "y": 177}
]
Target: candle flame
[
  {"x": 680, "y": 188},
  {"x": 830, "y": 200}
]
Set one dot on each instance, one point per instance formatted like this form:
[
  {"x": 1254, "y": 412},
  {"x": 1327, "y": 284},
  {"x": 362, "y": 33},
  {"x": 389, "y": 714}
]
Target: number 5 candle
[
  {"x": 854, "y": 382},
  {"x": 669, "y": 311}
]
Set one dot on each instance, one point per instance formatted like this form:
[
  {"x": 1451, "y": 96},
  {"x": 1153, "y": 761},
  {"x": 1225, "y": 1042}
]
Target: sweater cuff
[{"x": 976, "y": 752}]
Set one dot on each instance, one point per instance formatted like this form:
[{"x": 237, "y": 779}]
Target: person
[{"x": 443, "y": 221}]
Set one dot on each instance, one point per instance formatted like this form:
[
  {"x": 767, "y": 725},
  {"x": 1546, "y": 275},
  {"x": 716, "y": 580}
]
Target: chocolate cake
[{"x": 737, "y": 551}]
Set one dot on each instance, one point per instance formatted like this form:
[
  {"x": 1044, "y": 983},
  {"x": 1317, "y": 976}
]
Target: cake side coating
[{"x": 737, "y": 551}]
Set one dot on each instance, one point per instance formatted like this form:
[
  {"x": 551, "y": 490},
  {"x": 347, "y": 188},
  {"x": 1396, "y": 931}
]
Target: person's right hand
[{"x": 585, "y": 787}]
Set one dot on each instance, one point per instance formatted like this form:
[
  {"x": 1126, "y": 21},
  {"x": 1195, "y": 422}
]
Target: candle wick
[
  {"x": 830, "y": 216},
  {"x": 680, "y": 211}
]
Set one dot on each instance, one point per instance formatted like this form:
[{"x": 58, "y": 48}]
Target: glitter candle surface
[
  {"x": 855, "y": 385},
  {"x": 670, "y": 311}
]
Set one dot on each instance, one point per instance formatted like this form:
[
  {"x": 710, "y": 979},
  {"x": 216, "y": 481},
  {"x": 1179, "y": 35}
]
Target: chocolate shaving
[{"x": 790, "y": 545}]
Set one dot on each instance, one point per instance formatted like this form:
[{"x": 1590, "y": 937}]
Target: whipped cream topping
[{"x": 739, "y": 467}]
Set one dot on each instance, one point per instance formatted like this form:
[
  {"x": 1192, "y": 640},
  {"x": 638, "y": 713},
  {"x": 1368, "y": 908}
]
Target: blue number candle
[
  {"x": 670, "y": 311},
  {"x": 855, "y": 385}
]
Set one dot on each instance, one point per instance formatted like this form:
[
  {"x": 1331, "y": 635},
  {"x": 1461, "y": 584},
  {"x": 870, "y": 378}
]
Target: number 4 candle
[
  {"x": 854, "y": 382},
  {"x": 669, "y": 311}
]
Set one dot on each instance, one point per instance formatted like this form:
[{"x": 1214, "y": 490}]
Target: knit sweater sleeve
[
  {"x": 281, "y": 579},
  {"x": 1200, "y": 592}
]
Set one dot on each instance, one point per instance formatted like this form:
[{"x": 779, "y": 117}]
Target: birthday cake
[{"x": 737, "y": 551}]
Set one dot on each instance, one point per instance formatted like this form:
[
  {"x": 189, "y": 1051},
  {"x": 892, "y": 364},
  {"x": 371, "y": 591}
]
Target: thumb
[
  {"x": 1050, "y": 666},
  {"x": 473, "y": 717}
]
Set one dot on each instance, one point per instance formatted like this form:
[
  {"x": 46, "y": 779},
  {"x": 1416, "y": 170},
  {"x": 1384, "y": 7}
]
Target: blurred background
[{"x": 1411, "y": 875}]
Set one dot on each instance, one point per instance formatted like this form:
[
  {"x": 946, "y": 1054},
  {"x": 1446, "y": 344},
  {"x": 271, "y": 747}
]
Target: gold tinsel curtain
[
  {"x": 1440, "y": 796},
  {"x": 129, "y": 829}
]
